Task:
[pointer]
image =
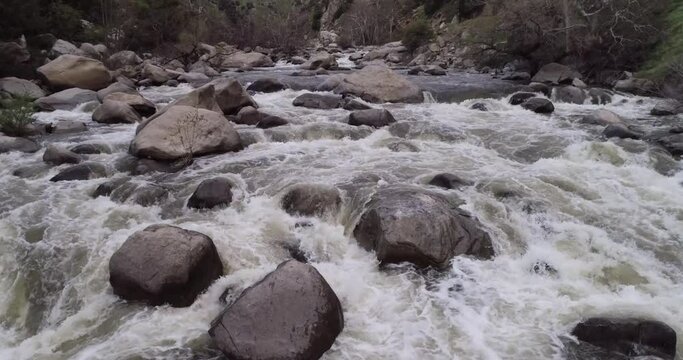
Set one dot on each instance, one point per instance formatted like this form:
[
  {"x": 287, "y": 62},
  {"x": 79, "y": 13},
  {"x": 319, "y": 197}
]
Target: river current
[{"x": 582, "y": 226}]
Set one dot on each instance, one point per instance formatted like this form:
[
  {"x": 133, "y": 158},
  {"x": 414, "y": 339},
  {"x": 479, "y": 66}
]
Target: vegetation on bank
[
  {"x": 16, "y": 116},
  {"x": 668, "y": 58}
]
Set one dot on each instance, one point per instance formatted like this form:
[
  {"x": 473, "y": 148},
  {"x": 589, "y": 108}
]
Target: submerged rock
[
  {"x": 318, "y": 101},
  {"x": 84, "y": 171},
  {"x": 602, "y": 117},
  {"x": 211, "y": 193},
  {"x": 376, "y": 118},
  {"x": 539, "y": 105},
  {"x": 267, "y": 85},
  {"x": 425, "y": 228},
  {"x": 164, "y": 264},
  {"x": 292, "y": 313},
  {"x": 449, "y": 181},
  {"x": 629, "y": 337},
  {"x": 620, "y": 131},
  {"x": 57, "y": 155},
  {"x": 570, "y": 94},
  {"x": 311, "y": 200}
]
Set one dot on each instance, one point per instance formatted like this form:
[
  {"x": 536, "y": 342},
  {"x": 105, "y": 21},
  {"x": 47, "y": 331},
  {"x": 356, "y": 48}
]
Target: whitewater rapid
[{"x": 605, "y": 216}]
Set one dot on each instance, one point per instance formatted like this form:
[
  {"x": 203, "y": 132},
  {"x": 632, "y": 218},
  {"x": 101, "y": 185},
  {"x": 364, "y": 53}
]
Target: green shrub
[
  {"x": 670, "y": 51},
  {"x": 15, "y": 116},
  {"x": 417, "y": 33}
]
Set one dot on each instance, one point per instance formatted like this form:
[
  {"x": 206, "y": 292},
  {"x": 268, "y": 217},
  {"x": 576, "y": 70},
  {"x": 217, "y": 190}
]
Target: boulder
[
  {"x": 122, "y": 59},
  {"x": 63, "y": 47},
  {"x": 311, "y": 200},
  {"x": 267, "y": 85},
  {"x": 479, "y": 106},
  {"x": 164, "y": 264},
  {"x": 8, "y": 144},
  {"x": 115, "y": 112},
  {"x": 448, "y": 181},
  {"x": 182, "y": 132},
  {"x": 292, "y": 313},
  {"x": 435, "y": 70},
  {"x": 425, "y": 228},
  {"x": 297, "y": 60},
  {"x": 629, "y": 337},
  {"x": 620, "y": 131},
  {"x": 231, "y": 96},
  {"x": 116, "y": 87},
  {"x": 570, "y": 94},
  {"x": 141, "y": 105},
  {"x": 600, "y": 96},
  {"x": 21, "y": 88},
  {"x": 157, "y": 75},
  {"x": 202, "y": 98},
  {"x": 539, "y": 105},
  {"x": 376, "y": 118},
  {"x": 540, "y": 88},
  {"x": 636, "y": 86},
  {"x": 211, "y": 193},
  {"x": 320, "y": 60},
  {"x": 671, "y": 140},
  {"x": 241, "y": 59},
  {"x": 204, "y": 68},
  {"x": 520, "y": 97},
  {"x": 89, "y": 149},
  {"x": 57, "y": 155},
  {"x": 66, "y": 99},
  {"x": 84, "y": 171},
  {"x": 194, "y": 78},
  {"x": 66, "y": 127},
  {"x": 72, "y": 71},
  {"x": 517, "y": 76},
  {"x": 377, "y": 83},
  {"x": 602, "y": 117},
  {"x": 352, "y": 104},
  {"x": 318, "y": 101},
  {"x": 251, "y": 116},
  {"x": 556, "y": 74},
  {"x": 89, "y": 50},
  {"x": 667, "y": 107}
]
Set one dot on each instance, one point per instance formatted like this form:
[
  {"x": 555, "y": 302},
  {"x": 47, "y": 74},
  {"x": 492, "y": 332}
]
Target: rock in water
[
  {"x": 376, "y": 118},
  {"x": 141, "y": 105},
  {"x": 311, "y": 200},
  {"x": 8, "y": 144},
  {"x": 267, "y": 85},
  {"x": 71, "y": 71},
  {"x": 292, "y": 313},
  {"x": 449, "y": 181},
  {"x": 164, "y": 264},
  {"x": 602, "y": 117},
  {"x": 85, "y": 171},
  {"x": 318, "y": 101},
  {"x": 667, "y": 107},
  {"x": 630, "y": 337},
  {"x": 211, "y": 193},
  {"x": 231, "y": 96},
  {"x": 241, "y": 59},
  {"x": 58, "y": 155},
  {"x": 520, "y": 97},
  {"x": 321, "y": 60},
  {"x": 570, "y": 94},
  {"x": 115, "y": 112},
  {"x": 620, "y": 131},
  {"x": 424, "y": 228},
  {"x": 379, "y": 84},
  {"x": 555, "y": 73},
  {"x": 184, "y": 131},
  {"x": 21, "y": 88},
  {"x": 66, "y": 100},
  {"x": 539, "y": 105}
]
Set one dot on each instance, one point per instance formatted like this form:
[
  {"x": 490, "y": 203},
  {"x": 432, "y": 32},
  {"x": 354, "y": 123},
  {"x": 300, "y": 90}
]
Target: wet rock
[
  {"x": 211, "y": 194},
  {"x": 539, "y": 105},
  {"x": 9, "y": 144},
  {"x": 620, "y": 131},
  {"x": 667, "y": 107},
  {"x": 106, "y": 188},
  {"x": 31, "y": 171},
  {"x": 320, "y": 60},
  {"x": 479, "y": 106},
  {"x": 156, "y": 74},
  {"x": 142, "y": 106},
  {"x": 297, "y": 60},
  {"x": 67, "y": 127},
  {"x": 71, "y": 71},
  {"x": 435, "y": 70},
  {"x": 376, "y": 118},
  {"x": 540, "y": 88},
  {"x": 449, "y": 181},
  {"x": 57, "y": 155},
  {"x": 311, "y": 200},
  {"x": 251, "y": 116},
  {"x": 241, "y": 59},
  {"x": 671, "y": 141},
  {"x": 425, "y": 130},
  {"x": 172, "y": 83},
  {"x": 415, "y": 70},
  {"x": 267, "y": 85},
  {"x": 66, "y": 100},
  {"x": 570, "y": 94},
  {"x": 602, "y": 117},
  {"x": 21, "y": 88},
  {"x": 116, "y": 87},
  {"x": 87, "y": 149},
  {"x": 231, "y": 96},
  {"x": 291, "y": 314},
  {"x": 149, "y": 195},
  {"x": 84, "y": 171},
  {"x": 352, "y": 104},
  {"x": 544, "y": 269},
  {"x": 308, "y": 73},
  {"x": 203, "y": 68},
  {"x": 205, "y": 132},
  {"x": 122, "y": 59},
  {"x": 202, "y": 98},
  {"x": 517, "y": 76},
  {"x": 600, "y": 96},
  {"x": 555, "y": 73},
  {"x": 115, "y": 112},
  {"x": 636, "y": 86},
  {"x": 379, "y": 84},
  {"x": 520, "y": 97},
  {"x": 318, "y": 101},
  {"x": 629, "y": 337},
  {"x": 427, "y": 229},
  {"x": 164, "y": 264},
  {"x": 402, "y": 146},
  {"x": 271, "y": 121}
]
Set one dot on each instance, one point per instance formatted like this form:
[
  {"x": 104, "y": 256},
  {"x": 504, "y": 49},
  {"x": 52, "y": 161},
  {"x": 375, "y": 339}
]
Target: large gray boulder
[
  {"x": 164, "y": 264},
  {"x": 667, "y": 107},
  {"x": 292, "y": 313},
  {"x": 9, "y": 144},
  {"x": 311, "y": 200},
  {"x": 135, "y": 100},
  {"x": 20, "y": 88},
  {"x": 122, "y": 59},
  {"x": 241, "y": 59},
  {"x": 555, "y": 73},
  {"x": 376, "y": 118},
  {"x": 629, "y": 337},
  {"x": 72, "y": 71},
  {"x": 89, "y": 50},
  {"x": 63, "y": 47},
  {"x": 84, "y": 171},
  {"x": 66, "y": 99},
  {"x": 115, "y": 88},
  {"x": 231, "y": 96},
  {"x": 211, "y": 193},
  {"x": 115, "y": 112},
  {"x": 322, "y": 60},
  {"x": 427, "y": 229},
  {"x": 157, "y": 75},
  {"x": 182, "y": 132},
  {"x": 378, "y": 83}
]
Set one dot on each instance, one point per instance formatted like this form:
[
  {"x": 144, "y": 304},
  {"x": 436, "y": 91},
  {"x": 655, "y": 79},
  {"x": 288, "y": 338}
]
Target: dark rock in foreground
[
  {"x": 291, "y": 314},
  {"x": 164, "y": 264},
  {"x": 211, "y": 193},
  {"x": 629, "y": 337},
  {"x": 424, "y": 228}
]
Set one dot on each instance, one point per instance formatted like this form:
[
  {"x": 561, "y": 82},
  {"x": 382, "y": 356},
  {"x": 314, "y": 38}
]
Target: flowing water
[{"x": 602, "y": 220}]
